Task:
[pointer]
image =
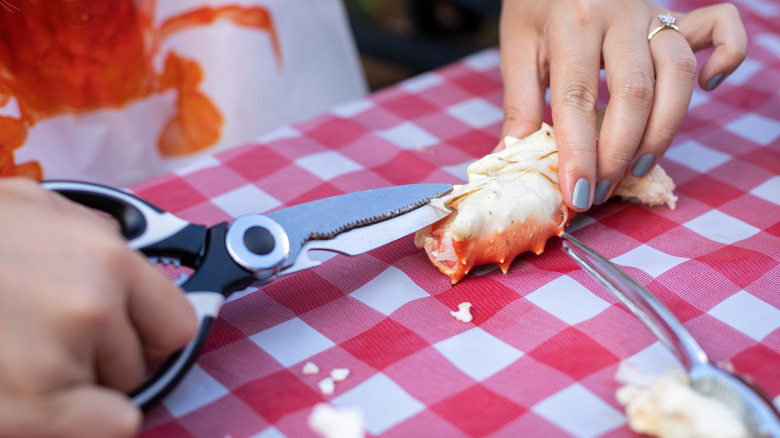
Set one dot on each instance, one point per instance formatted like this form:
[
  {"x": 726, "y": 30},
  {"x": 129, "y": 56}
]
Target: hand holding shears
[
  {"x": 254, "y": 248},
  {"x": 80, "y": 314}
]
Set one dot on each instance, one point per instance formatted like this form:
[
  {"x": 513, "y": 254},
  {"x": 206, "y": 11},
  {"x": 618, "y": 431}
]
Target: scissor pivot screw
[
  {"x": 259, "y": 244},
  {"x": 259, "y": 240}
]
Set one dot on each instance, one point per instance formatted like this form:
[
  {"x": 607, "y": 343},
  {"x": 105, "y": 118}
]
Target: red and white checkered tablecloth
[{"x": 539, "y": 359}]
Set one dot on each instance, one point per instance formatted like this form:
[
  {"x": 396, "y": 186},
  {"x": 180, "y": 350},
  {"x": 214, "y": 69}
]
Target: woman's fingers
[
  {"x": 160, "y": 311},
  {"x": 523, "y": 97},
  {"x": 157, "y": 319},
  {"x": 575, "y": 58},
  {"x": 563, "y": 44},
  {"x": 77, "y": 411},
  {"x": 675, "y": 71},
  {"x": 150, "y": 318},
  {"x": 716, "y": 26},
  {"x": 629, "y": 75},
  {"x": 524, "y": 83},
  {"x": 64, "y": 321},
  {"x": 90, "y": 411},
  {"x": 119, "y": 359}
]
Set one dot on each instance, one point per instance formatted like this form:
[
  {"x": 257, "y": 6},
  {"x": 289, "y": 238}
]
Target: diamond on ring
[
  {"x": 667, "y": 22},
  {"x": 666, "y": 19}
]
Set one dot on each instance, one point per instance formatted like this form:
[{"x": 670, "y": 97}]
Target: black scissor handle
[
  {"x": 224, "y": 258},
  {"x": 135, "y": 216},
  {"x": 146, "y": 227},
  {"x": 217, "y": 276},
  {"x": 153, "y": 231}
]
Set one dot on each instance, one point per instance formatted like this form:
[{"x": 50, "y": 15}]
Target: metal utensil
[{"x": 749, "y": 402}]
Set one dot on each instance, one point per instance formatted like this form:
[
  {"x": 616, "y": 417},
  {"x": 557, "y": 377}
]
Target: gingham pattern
[{"x": 540, "y": 356}]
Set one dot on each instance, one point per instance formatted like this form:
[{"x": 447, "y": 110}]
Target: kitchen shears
[{"x": 254, "y": 248}]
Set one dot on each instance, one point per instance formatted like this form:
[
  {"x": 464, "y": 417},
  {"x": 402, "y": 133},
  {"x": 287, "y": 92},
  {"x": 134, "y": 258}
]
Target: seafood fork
[{"x": 755, "y": 408}]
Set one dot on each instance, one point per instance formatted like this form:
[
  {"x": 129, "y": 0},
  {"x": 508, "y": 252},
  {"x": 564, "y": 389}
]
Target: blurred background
[{"x": 400, "y": 38}]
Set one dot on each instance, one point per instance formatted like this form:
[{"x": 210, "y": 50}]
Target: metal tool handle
[
  {"x": 154, "y": 231},
  {"x": 639, "y": 301}
]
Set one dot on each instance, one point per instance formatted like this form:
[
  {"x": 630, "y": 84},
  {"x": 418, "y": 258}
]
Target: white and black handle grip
[{"x": 159, "y": 233}]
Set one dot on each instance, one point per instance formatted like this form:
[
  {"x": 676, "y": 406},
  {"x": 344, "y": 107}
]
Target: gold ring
[{"x": 667, "y": 22}]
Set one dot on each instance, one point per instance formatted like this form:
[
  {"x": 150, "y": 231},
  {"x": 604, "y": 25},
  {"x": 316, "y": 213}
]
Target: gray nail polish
[
  {"x": 642, "y": 165},
  {"x": 600, "y": 193},
  {"x": 581, "y": 195},
  {"x": 714, "y": 81}
]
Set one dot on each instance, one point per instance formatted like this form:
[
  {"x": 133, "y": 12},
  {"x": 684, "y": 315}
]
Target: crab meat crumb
[
  {"x": 464, "y": 312},
  {"x": 327, "y": 386},
  {"x": 331, "y": 422},
  {"x": 665, "y": 406},
  {"x": 339, "y": 374},
  {"x": 310, "y": 368}
]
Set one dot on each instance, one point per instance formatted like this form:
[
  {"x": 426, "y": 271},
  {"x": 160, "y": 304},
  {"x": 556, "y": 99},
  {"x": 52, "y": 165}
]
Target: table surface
[{"x": 540, "y": 356}]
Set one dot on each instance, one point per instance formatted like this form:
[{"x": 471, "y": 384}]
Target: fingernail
[
  {"x": 581, "y": 195},
  {"x": 600, "y": 193},
  {"x": 642, "y": 165},
  {"x": 715, "y": 81}
]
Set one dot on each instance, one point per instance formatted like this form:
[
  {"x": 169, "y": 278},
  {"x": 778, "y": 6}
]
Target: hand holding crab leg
[{"x": 562, "y": 44}]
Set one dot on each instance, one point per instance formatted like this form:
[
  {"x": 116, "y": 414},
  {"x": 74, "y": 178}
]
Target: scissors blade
[{"x": 358, "y": 222}]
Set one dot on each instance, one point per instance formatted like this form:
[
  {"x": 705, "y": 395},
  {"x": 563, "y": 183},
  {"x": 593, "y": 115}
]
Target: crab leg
[{"x": 512, "y": 204}]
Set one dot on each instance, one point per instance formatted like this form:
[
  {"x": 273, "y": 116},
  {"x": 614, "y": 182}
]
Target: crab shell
[{"x": 512, "y": 204}]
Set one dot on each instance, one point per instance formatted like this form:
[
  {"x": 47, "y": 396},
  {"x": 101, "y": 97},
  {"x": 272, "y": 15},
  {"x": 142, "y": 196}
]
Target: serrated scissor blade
[{"x": 357, "y": 222}]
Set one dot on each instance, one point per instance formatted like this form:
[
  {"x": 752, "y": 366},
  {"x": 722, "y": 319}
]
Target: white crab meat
[
  {"x": 339, "y": 374},
  {"x": 665, "y": 406},
  {"x": 310, "y": 368},
  {"x": 327, "y": 386},
  {"x": 463, "y": 314},
  {"x": 330, "y": 422},
  {"x": 654, "y": 189}
]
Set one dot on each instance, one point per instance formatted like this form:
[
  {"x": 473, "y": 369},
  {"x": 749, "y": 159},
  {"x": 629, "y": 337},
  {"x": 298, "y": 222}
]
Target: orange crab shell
[
  {"x": 525, "y": 218},
  {"x": 499, "y": 248}
]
